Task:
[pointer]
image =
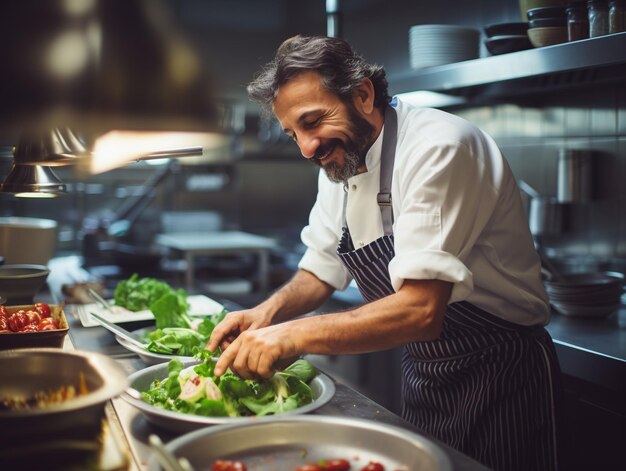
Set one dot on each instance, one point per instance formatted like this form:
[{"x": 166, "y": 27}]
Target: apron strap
[{"x": 388, "y": 154}]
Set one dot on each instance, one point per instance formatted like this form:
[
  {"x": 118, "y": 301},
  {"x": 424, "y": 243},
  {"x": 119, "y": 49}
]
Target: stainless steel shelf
[{"x": 573, "y": 64}]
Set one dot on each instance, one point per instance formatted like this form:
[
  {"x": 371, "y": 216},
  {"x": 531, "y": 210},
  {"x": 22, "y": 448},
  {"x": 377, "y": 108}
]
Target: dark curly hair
[{"x": 342, "y": 70}]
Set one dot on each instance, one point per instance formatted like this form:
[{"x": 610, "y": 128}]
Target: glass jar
[
  {"x": 617, "y": 16},
  {"x": 598, "y": 12},
  {"x": 577, "y": 21}
]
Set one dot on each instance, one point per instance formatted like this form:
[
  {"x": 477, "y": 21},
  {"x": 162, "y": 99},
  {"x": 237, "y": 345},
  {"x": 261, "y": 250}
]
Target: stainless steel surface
[
  {"x": 322, "y": 386},
  {"x": 574, "y": 176},
  {"x": 286, "y": 443},
  {"x": 166, "y": 458},
  {"x": 568, "y": 58},
  {"x": 27, "y": 371},
  {"x": 120, "y": 331}
]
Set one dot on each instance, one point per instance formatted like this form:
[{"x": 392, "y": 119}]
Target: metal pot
[{"x": 547, "y": 216}]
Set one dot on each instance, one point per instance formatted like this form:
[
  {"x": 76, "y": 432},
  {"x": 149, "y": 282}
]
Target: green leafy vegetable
[
  {"x": 137, "y": 294},
  {"x": 196, "y": 390}
]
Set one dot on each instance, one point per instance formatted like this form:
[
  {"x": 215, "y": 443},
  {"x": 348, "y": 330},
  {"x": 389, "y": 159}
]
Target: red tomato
[
  {"x": 372, "y": 466},
  {"x": 43, "y": 309},
  {"x": 30, "y": 328},
  {"x": 18, "y": 320},
  {"x": 336, "y": 465},
  {"x": 47, "y": 323},
  {"x": 310, "y": 467},
  {"x": 33, "y": 317},
  {"x": 225, "y": 465}
]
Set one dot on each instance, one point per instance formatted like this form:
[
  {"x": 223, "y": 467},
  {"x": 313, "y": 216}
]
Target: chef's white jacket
[{"x": 458, "y": 217}]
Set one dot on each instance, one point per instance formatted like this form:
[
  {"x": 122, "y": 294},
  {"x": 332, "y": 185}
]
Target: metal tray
[
  {"x": 288, "y": 442},
  {"x": 322, "y": 386}
]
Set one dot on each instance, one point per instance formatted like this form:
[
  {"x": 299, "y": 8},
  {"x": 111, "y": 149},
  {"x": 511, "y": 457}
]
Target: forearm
[
  {"x": 300, "y": 295},
  {"x": 415, "y": 313}
]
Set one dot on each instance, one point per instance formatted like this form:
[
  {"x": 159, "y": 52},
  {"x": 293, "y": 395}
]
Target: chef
[{"x": 421, "y": 210}]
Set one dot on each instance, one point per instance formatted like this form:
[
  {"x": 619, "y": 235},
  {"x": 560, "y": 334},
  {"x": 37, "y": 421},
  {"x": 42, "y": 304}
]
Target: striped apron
[{"x": 486, "y": 386}]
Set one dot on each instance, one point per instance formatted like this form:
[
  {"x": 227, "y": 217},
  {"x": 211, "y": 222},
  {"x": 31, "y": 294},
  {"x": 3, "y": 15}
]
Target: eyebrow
[{"x": 302, "y": 118}]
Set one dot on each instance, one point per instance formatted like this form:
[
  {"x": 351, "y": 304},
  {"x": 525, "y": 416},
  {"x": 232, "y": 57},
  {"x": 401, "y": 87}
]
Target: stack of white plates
[
  {"x": 431, "y": 45},
  {"x": 586, "y": 294}
]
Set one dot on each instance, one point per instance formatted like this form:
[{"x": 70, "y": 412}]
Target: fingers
[{"x": 225, "y": 331}]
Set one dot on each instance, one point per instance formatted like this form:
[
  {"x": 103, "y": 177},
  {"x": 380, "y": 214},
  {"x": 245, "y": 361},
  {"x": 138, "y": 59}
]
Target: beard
[{"x": 355, "y": 148}]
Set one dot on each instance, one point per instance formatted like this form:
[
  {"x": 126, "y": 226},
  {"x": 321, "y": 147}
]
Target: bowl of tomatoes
[{"x": 32, "y": 325}]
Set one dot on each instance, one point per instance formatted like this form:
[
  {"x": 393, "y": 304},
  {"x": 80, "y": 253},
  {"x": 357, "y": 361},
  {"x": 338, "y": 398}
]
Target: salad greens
[
  {"x": 196, "y": 390},
  {"x": 137, "y": 294}
]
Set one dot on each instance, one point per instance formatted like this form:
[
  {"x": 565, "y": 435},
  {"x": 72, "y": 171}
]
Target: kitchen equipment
[
  {"x": 287, "y": 443},
  {"x": 586, "y": 294},
  {"x": 40, "y": 339},
  {"x": 167, "y": 460},
  {"x": 29, "y": 371},
  {"x": 546, "y": 216},
  {"x": 120, "y": 331},
  {"x": 150, "y": 358},
  {"x": 547, "y": 35},
  {"x": 506, "y": 29},
  {"x": 27, "y": 240},
  {"x": 574, "y": 176},
  {"x": 19, "y": 283},
  {"x": 322, "y": 387},
  {"x": 433, "y": 44},
  {"x": 505, "y": 44}
]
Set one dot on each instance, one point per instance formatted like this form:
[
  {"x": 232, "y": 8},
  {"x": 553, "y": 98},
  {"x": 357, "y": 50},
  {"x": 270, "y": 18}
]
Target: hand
[
  {"x": 232, "y": 325},
  {"x": 257, "y": 353}
]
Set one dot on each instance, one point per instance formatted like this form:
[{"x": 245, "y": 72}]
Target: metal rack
[{"x": 587, "y": 62}]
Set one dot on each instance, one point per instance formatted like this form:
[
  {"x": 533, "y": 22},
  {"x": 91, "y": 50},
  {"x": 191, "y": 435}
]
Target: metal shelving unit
[{"x": 587, "y": 62}]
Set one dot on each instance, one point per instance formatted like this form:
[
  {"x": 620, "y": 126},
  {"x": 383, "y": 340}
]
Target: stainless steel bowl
[
  {"x": 289, "y": 442},
  {"x": 322, "y": 386},
  {"x": 27, "y": 371}
]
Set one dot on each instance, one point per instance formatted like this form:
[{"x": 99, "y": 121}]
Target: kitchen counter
[{"x": 136, "y": 428}]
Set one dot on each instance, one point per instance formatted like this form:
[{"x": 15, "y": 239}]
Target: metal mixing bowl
[{"x": 25, "y": 372}]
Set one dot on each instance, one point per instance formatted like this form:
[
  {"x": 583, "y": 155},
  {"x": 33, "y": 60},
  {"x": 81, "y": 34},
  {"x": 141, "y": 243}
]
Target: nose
[{"x": 308, "y": 145}]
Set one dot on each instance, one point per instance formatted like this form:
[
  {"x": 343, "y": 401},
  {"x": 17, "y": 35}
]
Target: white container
[{"x": 27, "y": 240}]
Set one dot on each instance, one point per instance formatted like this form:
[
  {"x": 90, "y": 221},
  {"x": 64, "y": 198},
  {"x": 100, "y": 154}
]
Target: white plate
[
  {"x": 199, "y": 305},
  {"x": 150, "y": 358},
  {"x": 322, "y": 386}
]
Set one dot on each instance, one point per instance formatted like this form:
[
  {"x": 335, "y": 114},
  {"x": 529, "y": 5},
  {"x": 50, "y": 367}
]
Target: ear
[{"x": 363, "y": 96}]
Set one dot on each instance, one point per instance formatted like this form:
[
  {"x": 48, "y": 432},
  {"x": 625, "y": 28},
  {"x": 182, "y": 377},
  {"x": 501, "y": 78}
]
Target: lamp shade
[
  {"x": 98, "y": 65},
  {"x": 33, "y": 181}
]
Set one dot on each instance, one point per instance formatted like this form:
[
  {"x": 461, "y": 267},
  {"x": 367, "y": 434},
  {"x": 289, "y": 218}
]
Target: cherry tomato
[
  {"x": 18, "y": 320},
  {"x": 372, "y": 466},
  {"x": 226, "y": 465},
  {"x": 33, "y": 317},
  {"x": 310, "y": 467},
  {"x": 43, "y": 309},
  {"x": 47, "y": 323},
  {"x": 336, "y": 465},
  {"x": 30, "y": 328}
]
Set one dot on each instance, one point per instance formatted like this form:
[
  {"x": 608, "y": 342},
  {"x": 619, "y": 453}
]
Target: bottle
[
  {"x": 598, "y": 12},
  {"x": 577, "y": 21},
  {"x": 617, "y": 16}
]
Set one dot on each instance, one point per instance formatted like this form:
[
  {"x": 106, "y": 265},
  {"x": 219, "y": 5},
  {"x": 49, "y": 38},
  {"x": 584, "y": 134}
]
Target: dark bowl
[
  {"x": 505, "y": 44},
  {"x": 506, "y": 29},
  {"x": 546, "y": 12},
  {"x": 543, "y": 22},
  {"x": 19, "y": 283}
]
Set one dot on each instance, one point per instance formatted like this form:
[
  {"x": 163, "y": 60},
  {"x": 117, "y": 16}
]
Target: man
[{"x": 420, "y": 208}]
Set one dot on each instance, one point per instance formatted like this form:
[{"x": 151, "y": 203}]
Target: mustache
[{"x": 325, "y": 149}]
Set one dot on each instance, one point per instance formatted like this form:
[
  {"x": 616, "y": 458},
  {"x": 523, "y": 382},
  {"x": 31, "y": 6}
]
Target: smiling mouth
[{"x": 325, "y": 153}]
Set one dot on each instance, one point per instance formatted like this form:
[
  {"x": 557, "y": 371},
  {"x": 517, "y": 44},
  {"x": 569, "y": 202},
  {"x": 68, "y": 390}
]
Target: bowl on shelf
[
  {"x": 506, "y": 29},
  {"x": 547, "y": 36},
  {"x": 19, "y": 283},
  {"x": 546, "y": 22},
  {"x": 27, "y": 240},
  {"x": 505, "y": 44},
  {"x": 525, "y": 5},
  {"x": 546, "y": 13}
]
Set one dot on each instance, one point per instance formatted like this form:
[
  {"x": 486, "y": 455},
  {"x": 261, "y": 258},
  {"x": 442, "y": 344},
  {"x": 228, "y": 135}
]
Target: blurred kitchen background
[{"x": 259, "y": 184}]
